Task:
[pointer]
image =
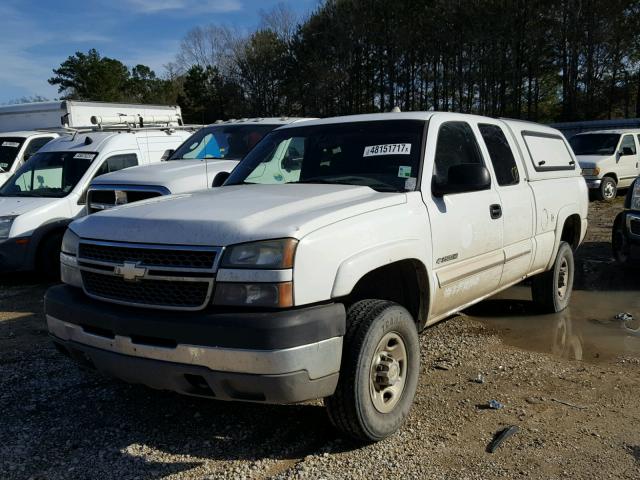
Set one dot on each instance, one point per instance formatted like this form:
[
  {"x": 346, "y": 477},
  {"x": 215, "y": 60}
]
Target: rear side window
[
  {"x": 117, "y": 162},
  {"x": 456, "y": 145},
  {"x": 628, "y": 142},
  {"x": 548, "y": 151},
  {"x": 504, "y": 164}
]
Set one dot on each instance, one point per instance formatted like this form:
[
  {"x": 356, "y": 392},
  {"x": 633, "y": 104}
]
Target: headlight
[
  {"x": 5, "y": 226},
  {"x": 69, "y": 271},
  {"x": 635, "y": 196},
  {"x": 278, "y": 295},
  {"x": 269, "y": 254}
]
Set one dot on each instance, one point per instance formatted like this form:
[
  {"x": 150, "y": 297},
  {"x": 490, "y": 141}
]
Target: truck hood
[
  {"x": 591, "y": 161},
  {"x": 21, "y": 205},
  {"x": 174, "y": 173},
  {"x": 234, "y": 214}
]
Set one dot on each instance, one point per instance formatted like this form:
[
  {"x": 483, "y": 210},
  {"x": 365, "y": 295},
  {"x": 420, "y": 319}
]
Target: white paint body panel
[{"x": 344, "y": 231}]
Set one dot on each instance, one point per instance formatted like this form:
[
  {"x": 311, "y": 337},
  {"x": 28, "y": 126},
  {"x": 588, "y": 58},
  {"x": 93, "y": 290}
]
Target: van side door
[
  {"x": 466, "y": 227},
  {"x": 627, "y": 160},
  {"x": 516, "y": 198}
]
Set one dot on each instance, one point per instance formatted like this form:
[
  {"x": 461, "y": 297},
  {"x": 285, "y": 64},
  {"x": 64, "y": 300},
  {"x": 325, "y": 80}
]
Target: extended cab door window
[{"x": 500, "y": 154}]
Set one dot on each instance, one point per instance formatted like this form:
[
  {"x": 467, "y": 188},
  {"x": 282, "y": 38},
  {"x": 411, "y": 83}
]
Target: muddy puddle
[{"x": 587, "y": 330}]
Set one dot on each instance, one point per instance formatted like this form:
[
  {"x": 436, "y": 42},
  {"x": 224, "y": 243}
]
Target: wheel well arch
[
  {"x": 41, "y": 234},
  {"x": 405, "y": 282},
  {"x": 611, "y": 175},
  {"x": 572, "y": 231}
]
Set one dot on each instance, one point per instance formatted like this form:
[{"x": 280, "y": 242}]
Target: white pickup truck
[
  {"x": 316, "y": 284},
  {"x": 609, "y": 160},
  {"x": 214, "y": 149},
  {"x": 48, "y": 191}
]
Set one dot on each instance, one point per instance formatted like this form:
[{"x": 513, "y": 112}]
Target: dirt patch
[{"x": 577, "y": 419}]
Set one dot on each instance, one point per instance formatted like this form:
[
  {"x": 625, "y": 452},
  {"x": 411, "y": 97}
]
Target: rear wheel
[
  {"x": 608, "y": 189},
  {"x": 551, "y": 291},
  {"x": 379, "y": 373},
  {"x": 49, "y": 256}
]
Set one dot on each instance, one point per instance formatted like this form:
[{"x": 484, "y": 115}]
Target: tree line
[{"x": 541, "y": 60}]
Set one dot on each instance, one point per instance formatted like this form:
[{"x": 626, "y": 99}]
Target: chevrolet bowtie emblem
[{"x": 130, "y": 271}]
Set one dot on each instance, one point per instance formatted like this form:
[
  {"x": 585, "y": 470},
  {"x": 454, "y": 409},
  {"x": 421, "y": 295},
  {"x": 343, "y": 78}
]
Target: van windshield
[
  {"x": 9, "y": 148},
  {"x": 595, "y": 143},
  {"x": 230, "y": 142},
  {"x": 382, "y": 155},
  {"x": 48, "y": 174}
]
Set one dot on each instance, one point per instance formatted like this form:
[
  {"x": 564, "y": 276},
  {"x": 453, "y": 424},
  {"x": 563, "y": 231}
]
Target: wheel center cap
[{"x": 394, "y": 373}]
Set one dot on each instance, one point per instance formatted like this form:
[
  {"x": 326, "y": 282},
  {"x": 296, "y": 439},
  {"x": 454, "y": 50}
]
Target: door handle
[{"x": 496, "y": 211}]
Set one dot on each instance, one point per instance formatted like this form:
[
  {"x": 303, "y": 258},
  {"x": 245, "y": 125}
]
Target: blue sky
[{"x": 37, "y": 35}]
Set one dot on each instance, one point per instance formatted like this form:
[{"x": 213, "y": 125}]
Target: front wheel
[
  {"x": 48, "y": 261},
  {"x": 551, "y": 291},
  {"x": 608, "y": 189},
  {"x": 379, "y": 373},
  {"x": 619, "y": 242}
]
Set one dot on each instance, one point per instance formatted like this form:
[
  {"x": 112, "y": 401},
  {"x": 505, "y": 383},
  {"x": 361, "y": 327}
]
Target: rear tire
[
  {"x": 608, "y": 189},
  {"x": 49, "y": 256},
  {"x": 379, "y": 373},
  {"x": 551, "y": 291}
]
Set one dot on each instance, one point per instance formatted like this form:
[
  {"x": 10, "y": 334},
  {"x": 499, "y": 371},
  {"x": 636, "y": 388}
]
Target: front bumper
[
  {"x": 275, "y": 357},
  {"x": 15, "y": 254},
  {"x": 593, "y": 183}
]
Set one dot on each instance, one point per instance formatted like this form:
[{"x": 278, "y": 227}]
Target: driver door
[{"x": 466, "y": 227}]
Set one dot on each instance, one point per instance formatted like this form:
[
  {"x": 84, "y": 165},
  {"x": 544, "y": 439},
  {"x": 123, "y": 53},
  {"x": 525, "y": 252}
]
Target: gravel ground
[{"x": 577, "y": 419}]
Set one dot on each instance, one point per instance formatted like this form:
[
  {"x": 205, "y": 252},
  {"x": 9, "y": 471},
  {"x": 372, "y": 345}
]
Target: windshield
[
  {"x": 382, "y": 155},
  {"x": 48, "y": 174},
  {"x": 9, "y": 148},
  {"x": 222, "y": 141},
  {"x": 595, "y": 143}
]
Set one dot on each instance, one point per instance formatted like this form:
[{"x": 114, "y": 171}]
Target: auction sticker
[
  {"x": 10, "y": 144},
  {"x": 388, "y": 149},
  {"x": 84, "y": 156}
]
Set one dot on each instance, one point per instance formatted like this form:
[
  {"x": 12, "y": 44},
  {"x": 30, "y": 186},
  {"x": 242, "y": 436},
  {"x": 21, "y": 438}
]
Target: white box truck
[{"x": 25, "y": 128}]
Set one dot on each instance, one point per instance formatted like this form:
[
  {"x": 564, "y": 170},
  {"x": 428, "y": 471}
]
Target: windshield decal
[
  {"x": 11, "y": 144},
  {"x": 404, "y": 171},
  {"x": 84, "y": 156},
  {"x": 388, "y": 149}
]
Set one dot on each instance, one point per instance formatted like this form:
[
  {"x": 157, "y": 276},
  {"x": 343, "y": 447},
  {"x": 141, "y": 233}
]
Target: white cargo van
[
  {"x": 26, "y": 127},
  {"x": 609, "y": 159},
  {"x": 212, "y": 150},
  {"x": 49, "y": 190}
]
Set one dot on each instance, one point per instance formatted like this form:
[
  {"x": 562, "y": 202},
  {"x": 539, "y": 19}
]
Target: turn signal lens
[{"x": 278, "y": 295}]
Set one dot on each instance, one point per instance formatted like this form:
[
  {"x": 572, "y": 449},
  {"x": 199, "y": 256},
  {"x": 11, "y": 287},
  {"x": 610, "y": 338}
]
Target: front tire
[
  {"x": 608, "y": 189},
  {"x": 379, "y": 373},
  {"x": 49, "y": 256},
  {"x": 551, "y": 291},
  {"x": 619, "y": 242}
]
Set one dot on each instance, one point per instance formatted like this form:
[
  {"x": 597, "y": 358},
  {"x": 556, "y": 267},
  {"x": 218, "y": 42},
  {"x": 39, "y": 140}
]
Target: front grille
[
  {"x": 150, "y": 257},
  {"x": 99, "y": 200},
  {"x": 147, "y": 292},
  {"x": 634, "y": 226}
]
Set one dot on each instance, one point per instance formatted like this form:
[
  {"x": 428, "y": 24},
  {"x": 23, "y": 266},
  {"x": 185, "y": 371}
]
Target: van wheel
[
  {"x": 551, "y": 291},
  {"x": 49, "y": 256},
  {"x": 379, "y": 373},
  {"x": 608, "y": 189},
  {"x": 619, "y": 243}
]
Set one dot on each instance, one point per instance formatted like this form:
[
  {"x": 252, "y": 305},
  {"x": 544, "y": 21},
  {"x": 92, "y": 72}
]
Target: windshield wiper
[{"x": 371, "y": 183}]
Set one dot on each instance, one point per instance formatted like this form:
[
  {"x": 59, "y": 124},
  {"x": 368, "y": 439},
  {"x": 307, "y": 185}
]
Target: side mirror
[
  {"x": 466, "y": 177},
  {"x": 219, "y": 179},
  {"x": 83, "y": 197},
  {"x": 26, "y": 156},
  {"x": 167, "y": 155}
]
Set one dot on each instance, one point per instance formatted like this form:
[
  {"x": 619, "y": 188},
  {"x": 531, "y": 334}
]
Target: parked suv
[
  {"x": 49, "y": 190},
  {"x": 315, "y": 284},
  {"x": 625, "y": 238},
  {"x": 193, "y": 166},
  {"x": 609, "y": 160}
]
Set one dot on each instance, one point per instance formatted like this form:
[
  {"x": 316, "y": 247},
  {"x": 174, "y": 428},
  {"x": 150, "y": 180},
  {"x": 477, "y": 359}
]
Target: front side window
[
  {"x": 35, "y": 145},
  {"x": 628, "y": 145},
  {"x": 48, "y": 174},
  {"x": 222, "y": 141},
  {"x": 384, "y": 156},
  {"x": 456, "y": 145},
  {"x": 502, "y": 159},
  {"x": 595, "y": 143},
  {"x": 9, "y": 148},
  {"x": 117, "y": 162}
]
